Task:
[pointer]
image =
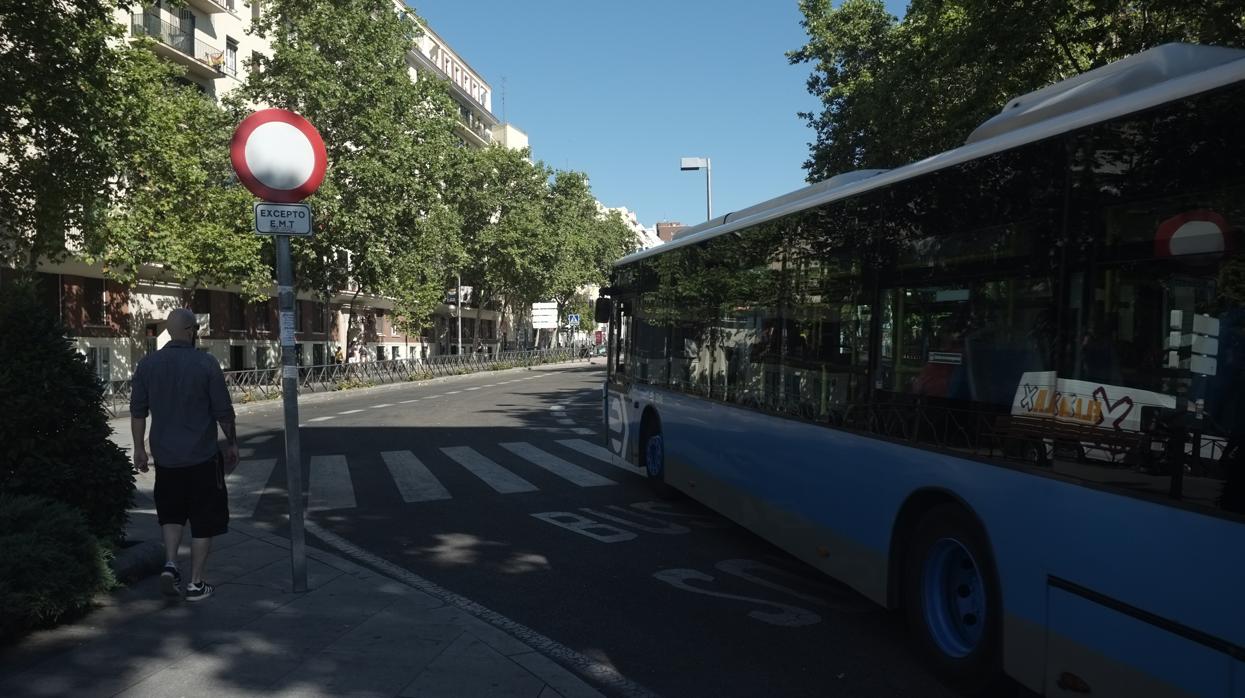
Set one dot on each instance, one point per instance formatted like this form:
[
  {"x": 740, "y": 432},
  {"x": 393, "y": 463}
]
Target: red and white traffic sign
[{"x": 278, "y": 156}]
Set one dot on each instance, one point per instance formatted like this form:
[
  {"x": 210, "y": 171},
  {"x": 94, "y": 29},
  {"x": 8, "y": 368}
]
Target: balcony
[
  {"x": 180, "y": 46},
  {"x": 211, "y": 7}
]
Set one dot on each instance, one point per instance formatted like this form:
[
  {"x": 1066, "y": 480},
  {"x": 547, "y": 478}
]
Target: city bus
[{"x": 1000, "y": 390}]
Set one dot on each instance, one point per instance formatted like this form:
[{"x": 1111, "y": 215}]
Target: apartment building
[{"x": 114, "y": 326}]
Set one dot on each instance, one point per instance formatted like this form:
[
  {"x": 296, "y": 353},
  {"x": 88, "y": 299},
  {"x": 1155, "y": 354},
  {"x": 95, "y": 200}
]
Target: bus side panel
[{"x": 806, "y": 487}]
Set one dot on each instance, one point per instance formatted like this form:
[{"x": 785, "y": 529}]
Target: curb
[{"x": 138, "y": 561}]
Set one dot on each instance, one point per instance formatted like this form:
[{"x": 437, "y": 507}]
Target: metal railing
[
  {"x": 265, "y": 383},
  {"x": 180, "y": 38}
]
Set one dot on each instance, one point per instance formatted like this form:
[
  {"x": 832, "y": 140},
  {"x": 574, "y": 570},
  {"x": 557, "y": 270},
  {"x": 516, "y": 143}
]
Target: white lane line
[
  {"x": 329, "y": 486},
  {"x": 323, "y": 419},
  {"x": 490, "y": 385},
  {"x": 454, "y": 392},
  {"x": 381, "y": 406},
  {"x": 491, "y": 473},
  {"x": 350, "y": 412},
  {"x": 476, "y": 388},
  {"x": 584, "y": 431},
  {"x": 437, "y": 395},
  {"x": 562, "y": 468},
  {"x": 557, "y": 408},
  {"x": 583, "y": 665},
  {"x": 414, "y": 480},
  {"x": 602, "y": 454},
  {"x": 246, "y": 484},
  {"x": 407, "y": 402}
]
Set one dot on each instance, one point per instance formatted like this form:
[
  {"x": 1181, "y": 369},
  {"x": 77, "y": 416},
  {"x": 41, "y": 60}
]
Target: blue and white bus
[{"x": 1001, "y": 389}]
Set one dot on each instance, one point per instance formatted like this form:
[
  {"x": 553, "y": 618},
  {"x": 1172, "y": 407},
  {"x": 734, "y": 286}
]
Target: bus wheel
[
  {"x": 655, "y": 462},
  {"x": 952, "y": 600}
]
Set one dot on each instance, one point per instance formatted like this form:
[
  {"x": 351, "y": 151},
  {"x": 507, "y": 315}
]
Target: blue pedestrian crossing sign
[{"x": 572, "y": 320}]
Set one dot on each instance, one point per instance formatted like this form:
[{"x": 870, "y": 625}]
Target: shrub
[
  {"x": 54, "y": 438},
  {"x": 52, "y": 564}
]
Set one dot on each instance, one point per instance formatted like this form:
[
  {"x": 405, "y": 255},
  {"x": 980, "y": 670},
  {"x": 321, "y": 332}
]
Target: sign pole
[
  {"x": 289, "y": 399},
  {"x": 281, "y": 159}
]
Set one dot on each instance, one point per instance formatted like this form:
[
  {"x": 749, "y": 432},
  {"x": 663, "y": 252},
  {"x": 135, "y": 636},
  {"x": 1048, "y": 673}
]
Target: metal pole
[
  {"x": 289, "y": 399},
  {"x": 458, "y": 301},
  {"x": 709, "y": 188}
]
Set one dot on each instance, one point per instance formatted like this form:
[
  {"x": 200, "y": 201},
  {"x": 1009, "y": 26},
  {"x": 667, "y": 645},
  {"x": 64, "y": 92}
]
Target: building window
[
  {"x": 317, "y": 319},
  {"x": 397, "y": 352},
  {"x": 261, "y": 357},
  {"x": 231, "y": 56},
  {"x": 237, "y": 312},
  {"x": 202, "y": 302},
  {"x": 229, "y": 5},
  {"x": 98, "y": 358},
  {"x": 262, "y": 310},
  {"x": 93, "y": 301},
  {"x": 256, "y": 66}
]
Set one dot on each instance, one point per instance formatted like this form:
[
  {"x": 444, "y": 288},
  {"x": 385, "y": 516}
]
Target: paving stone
[
  {"x": 558, "y": 677},
  {"x": 343, "y": 596},
  {"x": 35, "y": 684},
  {"x": 277, "y": 575},
  {"x": 243, "y": 668},
  {"x": 469, "y": 667},
  {"x": 395, "y": 637},
  {"x": 328, "y": 674}
]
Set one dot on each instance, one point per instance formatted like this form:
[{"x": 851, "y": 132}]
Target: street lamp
[{"x": 691, "y": 164}]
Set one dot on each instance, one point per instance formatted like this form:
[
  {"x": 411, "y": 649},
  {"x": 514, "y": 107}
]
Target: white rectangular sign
[
  {"x": 282, "y": 219},
  {"x": 287, "y": 328},
  {"x": 544, "y": 316}
]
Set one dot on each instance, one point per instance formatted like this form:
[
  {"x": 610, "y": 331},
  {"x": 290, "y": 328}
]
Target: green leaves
[{"x": 894, "y": 92}]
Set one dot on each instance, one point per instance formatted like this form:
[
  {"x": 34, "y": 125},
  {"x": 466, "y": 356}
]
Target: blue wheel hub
[
  {"x": 954, "y": 598},
  {"x": 655, "y": 456}
]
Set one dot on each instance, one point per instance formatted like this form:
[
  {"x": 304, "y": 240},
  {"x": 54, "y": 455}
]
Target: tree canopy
[{"x": 894, "y": 91}]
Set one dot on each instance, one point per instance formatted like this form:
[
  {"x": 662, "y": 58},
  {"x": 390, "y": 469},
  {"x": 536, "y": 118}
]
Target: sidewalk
[{"x": 355, "y": 632}]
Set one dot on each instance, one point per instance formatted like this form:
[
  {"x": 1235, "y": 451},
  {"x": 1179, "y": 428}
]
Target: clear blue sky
[{"x": 622, "y": 90}]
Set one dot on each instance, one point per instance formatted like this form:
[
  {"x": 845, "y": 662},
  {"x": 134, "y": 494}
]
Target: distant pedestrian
[
  {"x": 338, "y": 357},
  {"x": 184, "y": 391}
]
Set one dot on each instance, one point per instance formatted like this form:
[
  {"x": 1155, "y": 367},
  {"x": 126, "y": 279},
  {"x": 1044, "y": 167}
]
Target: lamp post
[{"x": 692, "y": 164}]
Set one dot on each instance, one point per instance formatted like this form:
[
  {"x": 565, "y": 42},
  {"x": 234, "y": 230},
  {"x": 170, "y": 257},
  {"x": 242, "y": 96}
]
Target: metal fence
[{"x": 265, "y": 383}]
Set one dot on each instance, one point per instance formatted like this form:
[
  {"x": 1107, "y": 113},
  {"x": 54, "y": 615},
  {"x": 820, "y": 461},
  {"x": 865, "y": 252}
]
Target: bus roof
[{"x": 1159, "y": 75}]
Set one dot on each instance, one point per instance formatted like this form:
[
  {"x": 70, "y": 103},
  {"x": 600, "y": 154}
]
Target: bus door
[{"x": 618, "y": 383}]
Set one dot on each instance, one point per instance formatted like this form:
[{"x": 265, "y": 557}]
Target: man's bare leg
[
  {"x": 199, "y": 549},
  {"x": 172, "y": 541}
]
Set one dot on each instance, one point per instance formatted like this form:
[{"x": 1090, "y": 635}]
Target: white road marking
[
  {"x": 407, "y": 402},
  {"x": 584, "y": 431},
  {"x": 566, "y": 422},
  {"x": 600, "y": 453},
  {"x": 437, "y": 395},
  {"x": 350, "y": 412},
  {"x": 329, "y": 485},
  {"x": 381, "y": 406},
  {"x": 563, "y": 469},
  {"x": 557, "y": 408},
  {"x": 246, "y": 484},
  {"x": 491, "y": 473},
  {"x": 475, "y": 388},
  {"x": 414, "y": 480},
  {"x": 323, "y": 419},
  {"x": 454, "y": 392},
  {"x": 490, "y": 385}
]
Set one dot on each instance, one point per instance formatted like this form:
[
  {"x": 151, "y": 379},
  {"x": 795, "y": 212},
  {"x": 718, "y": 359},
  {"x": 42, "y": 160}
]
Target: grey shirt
[{"x": 184, "y": 391}]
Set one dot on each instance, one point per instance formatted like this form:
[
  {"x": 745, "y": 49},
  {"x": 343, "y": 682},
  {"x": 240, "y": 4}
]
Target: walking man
[{"x": 184, "y": 391}]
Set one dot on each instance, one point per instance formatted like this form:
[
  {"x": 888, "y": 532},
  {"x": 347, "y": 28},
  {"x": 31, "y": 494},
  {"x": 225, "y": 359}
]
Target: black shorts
[{"x": 195, "y": 493}]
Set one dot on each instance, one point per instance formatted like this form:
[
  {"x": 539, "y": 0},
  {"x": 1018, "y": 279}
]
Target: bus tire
[
  {"x": 952, "y": 600},
  {"x": 653, "y": 460}
]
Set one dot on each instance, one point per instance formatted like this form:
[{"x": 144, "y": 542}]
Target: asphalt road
[{"x": 489, "y": 486}]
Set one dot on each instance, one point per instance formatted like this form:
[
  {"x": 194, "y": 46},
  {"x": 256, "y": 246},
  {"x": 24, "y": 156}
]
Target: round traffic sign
[{"x": 278, "y": 156}]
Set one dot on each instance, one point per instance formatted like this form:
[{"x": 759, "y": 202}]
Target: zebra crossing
[{"x": 330, "y": 484}]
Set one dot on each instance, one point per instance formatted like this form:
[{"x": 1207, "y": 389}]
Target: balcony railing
[{"x": 178, "y": 38}]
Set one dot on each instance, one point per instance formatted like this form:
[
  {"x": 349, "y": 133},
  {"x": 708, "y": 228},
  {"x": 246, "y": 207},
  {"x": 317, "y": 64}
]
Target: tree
[
  {"x": 382, "y": 224},
  {"x": 177, "y": 204},
  {"x": 505, "y": 255},
  {"x": 54, "y": 438},
  {"x": 894, "y": 91},
  {"x": 57, "y": 126}
]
